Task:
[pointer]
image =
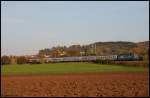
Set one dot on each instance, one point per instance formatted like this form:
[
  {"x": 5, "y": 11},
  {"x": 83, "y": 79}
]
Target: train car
[
  {"x": 57, "y": 59},
  {"x": 91, "y": 58},
  {"x": 72, "y": 59},
  {"x": 108, "y": 57},
  {"x": 34, "y": 61}
]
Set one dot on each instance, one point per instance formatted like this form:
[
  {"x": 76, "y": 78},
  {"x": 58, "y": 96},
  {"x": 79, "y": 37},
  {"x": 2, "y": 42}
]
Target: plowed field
[{"x": 80, "y": 85}]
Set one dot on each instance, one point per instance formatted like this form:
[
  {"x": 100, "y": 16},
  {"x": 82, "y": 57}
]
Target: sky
[{"x": 28, "y": 26}]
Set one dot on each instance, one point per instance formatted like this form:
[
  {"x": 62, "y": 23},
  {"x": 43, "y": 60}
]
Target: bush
[
  {"x": 21, "y": 60},
  {"x": 125, "y": 63},
  {"x": 133, "y": 63},
  {"x": 5, "y": 60}
]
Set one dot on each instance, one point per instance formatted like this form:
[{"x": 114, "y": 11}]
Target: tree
[
  {"x": 137, "y": 50},
  {"x": 73, "y": 53},
  {"x": 55, "y": 53},
  {"x": 146, "y": 54},
  {"x": 5, "y": 60},
  {"x": 84, "y": 49},
  {"x": 13, "y": 59},
  {"x": 21, "y": 60},
  {"x": 41, "y": 56}
]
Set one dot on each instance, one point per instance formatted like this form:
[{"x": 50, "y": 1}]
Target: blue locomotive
[{"x": 129, "y": 57}]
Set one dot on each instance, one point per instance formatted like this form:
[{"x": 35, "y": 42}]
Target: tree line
[{"x": 5, "y": 60}]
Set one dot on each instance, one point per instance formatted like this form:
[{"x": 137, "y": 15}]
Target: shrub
[
  {"x": 21, "y": 60},
  {"x": 124, "y": 63},
  {"x": 5, "y": 60},
  {"x": 133, "y": 63}
]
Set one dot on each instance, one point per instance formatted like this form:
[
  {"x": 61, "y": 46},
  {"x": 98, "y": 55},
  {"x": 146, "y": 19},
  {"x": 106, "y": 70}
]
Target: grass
[{"x": 59, "y": 68}]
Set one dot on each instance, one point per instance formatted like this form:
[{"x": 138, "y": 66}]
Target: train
[{"x": 121, "y": 57}]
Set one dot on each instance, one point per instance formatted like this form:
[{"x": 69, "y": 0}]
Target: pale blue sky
[{"x": 27, "y": 26}]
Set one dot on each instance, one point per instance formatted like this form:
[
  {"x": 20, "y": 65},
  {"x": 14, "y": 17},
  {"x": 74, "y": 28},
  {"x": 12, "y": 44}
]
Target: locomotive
[{"x": 129, "y": 57}]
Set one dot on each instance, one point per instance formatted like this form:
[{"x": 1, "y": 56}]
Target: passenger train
[{"x": 123, "y": 57}]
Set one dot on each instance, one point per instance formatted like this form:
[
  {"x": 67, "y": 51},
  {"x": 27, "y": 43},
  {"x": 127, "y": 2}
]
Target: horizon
[{"x": 28, "y": 27}]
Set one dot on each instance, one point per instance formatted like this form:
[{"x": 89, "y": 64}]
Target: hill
[{"x": 99, "y": 48}]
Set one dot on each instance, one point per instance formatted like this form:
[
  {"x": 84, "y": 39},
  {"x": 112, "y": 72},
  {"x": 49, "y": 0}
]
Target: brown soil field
[{"x": 77, "y": 85}]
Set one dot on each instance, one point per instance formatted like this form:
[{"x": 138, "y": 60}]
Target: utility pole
[
  {"x": 92, "y": 49},
  {"x": 95, "y": 48}
]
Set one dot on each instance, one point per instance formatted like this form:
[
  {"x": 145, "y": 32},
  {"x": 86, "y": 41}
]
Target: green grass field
[{"x": 59, "y": 68}]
